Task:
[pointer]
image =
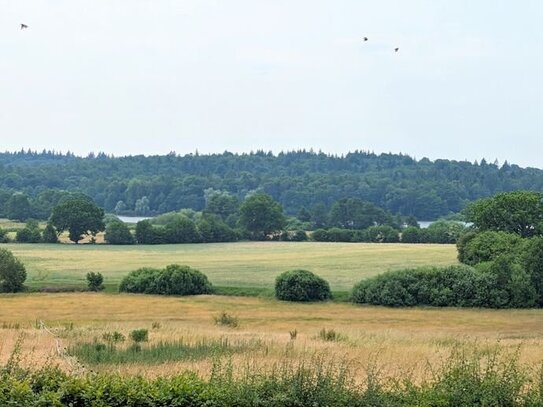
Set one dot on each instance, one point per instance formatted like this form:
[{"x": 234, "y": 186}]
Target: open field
[
  {"x": 400, "y": 341},
  {"x": 243, "y": 264}
]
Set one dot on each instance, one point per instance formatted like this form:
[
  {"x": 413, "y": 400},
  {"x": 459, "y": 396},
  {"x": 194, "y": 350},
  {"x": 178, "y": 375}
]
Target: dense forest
[{"x": 140, "y": 185}]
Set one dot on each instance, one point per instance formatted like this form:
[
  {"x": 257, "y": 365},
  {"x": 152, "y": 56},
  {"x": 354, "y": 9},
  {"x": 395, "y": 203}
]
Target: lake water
[{"x": 132, "y": 219}]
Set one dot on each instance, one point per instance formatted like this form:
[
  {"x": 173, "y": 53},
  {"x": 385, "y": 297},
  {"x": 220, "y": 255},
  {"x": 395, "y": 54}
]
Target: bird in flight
[
  {"x": 396, "y": 49},
  {"x": 23, "y": 26},
  {"x": 365, "y": 38}
]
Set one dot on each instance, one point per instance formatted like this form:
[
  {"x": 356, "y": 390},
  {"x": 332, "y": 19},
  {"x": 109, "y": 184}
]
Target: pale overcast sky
[{"x": 152, "y": 76}]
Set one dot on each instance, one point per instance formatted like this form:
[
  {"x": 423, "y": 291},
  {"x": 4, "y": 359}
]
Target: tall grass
[
  {"x": 471, "y": 377},
  {"x": 160, "y": 352}
]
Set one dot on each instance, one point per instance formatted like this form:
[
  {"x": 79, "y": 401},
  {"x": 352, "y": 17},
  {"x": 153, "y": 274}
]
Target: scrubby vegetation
[
  {"x": 468, "y": 378},
  {"x": 301, "y": 285},
  {"x": 172, "y": 280},
  {"x": 12, "y": 273}
]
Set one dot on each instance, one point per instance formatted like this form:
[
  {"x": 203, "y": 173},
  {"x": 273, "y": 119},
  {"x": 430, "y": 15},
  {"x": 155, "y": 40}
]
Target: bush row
[
  {"x": 180, "y": 229},
  {"x": 469, "y": 378},
  {"x": 501, "y": 284},
  {"x": 31, "y": 233},
  {"x": 437, "y": 232}
]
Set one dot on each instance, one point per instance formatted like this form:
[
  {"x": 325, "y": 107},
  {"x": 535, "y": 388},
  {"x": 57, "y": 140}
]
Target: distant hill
[{"x": 423, "y": 188}]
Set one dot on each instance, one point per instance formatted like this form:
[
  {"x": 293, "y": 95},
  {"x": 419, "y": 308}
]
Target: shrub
[
  {"x": 333, "y": 235},
  {"x": 50, "y": 234},
  {"x": 474, "y": 248},
  {"x": 383, "y": 234},
  {"x": 139, "y": 335},
  {"x": 329, "y": 335},
  {"x": 301, "y": 285},
  {"x": 146, "y": 233},
  {"x": 117, "y": 232},
  {"x": 12, "y": 273},
  {"x": 444, "y": 231},
  {"x": 113, "y": 337},
  {"x": 226, "y": 320},
  {"x": 94, "y": 281},
  {"x": 4, "y": 236},
  {"x": 181, "y": 230},
  {"x": 412, "y": 234},
  {"x": 500, "y": 284},
  {"x": 29, "y": 234},
  {"x": 173, "y": 280}
]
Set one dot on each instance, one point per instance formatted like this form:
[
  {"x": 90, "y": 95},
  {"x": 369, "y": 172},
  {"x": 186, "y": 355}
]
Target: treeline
[
  {"x": 226, "y": 219},
  {"x": 503, "y": 257},
  {"x": 145, "y": 186}
]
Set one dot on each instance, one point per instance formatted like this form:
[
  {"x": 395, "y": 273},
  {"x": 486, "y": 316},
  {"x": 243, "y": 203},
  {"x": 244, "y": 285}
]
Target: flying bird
[
  {"x": 365, "y": 38},
  {"x": 396, "y": 49},
  {"x": 23, "y": 26}
]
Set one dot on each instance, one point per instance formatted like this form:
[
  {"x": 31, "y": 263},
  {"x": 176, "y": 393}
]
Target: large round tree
[
  {"x": 261, "y": 216},
  {"x": 79, "y": 215}
]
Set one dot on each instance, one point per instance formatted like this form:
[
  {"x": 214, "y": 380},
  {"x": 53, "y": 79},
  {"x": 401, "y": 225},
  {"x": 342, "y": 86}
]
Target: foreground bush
[
  {"x": 301, "y": 285},
  {"x": 173, "y": 280},
  {"x": 12, "y": 273},
  {"x": 468, "y": 378}
]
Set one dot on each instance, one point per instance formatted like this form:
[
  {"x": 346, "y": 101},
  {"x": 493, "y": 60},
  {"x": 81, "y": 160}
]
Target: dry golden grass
[
  {"x": 243, "y": 264},
  {"x": 399, "y": 340}
]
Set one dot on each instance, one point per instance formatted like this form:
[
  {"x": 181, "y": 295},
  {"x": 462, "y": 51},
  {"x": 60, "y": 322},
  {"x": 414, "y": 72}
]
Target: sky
[{"x": 153, "y": 76}]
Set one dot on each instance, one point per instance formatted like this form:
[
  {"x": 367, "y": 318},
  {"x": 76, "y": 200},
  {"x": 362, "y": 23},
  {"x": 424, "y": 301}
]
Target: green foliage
[
  {"x": 139, "y": 335},
  {"x": 173, "y": 280},
  {"x": 181, "y": 230},
  {"x": 95, "y": 281},
  {"x": 49, "y": 234},
  {"x": 79, "y": 215},
  {"x": 501, "y": 284},
  {"x": 443, "y": 232},
  {"x": 226, "y": 319},
  {"x": 29, "y": 234},
  {"x": 412, "y": 234},
  {"x": 531, "y": 257},
  {"x": 162, "y": 352},
  {"x": 261, "y": 216},
  {"x": 211, "y": 229},
  {"x": 519, "y": 212},
  {"x": 18, "y": 207},
  {"x": 382, "y": 234},
  {"x": 12, "y": 273},
  {"x": 113, "y": 337},
  {"x": 117, "y": 232},
  {"x": 474, "y": 248},
  {"x": 147, "y": 234},
  {"x": 469, "y": 377},
  {"x": 220, "y": 203},
  {"x": 395, "y": 182},
  {"x": 4, "y": 238},
  {"x": 301, "y": 285},
  {"x": 353, "y": 213}
]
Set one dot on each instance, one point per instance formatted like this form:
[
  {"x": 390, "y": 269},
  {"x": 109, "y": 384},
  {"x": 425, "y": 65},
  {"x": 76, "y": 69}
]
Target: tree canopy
[
  {"x": 79, "y": 215},
  {"x": 261, "y": 216},
  {"x": 314, "y": 180},
  {"x": 519, "y": 212}
]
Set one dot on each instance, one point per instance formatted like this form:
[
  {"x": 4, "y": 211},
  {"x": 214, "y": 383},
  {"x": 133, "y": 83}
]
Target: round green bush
[
  {"x": 301, "y": 285},
  {"x": 12, "y": 273},
  {"x": 173, "y": 280}
]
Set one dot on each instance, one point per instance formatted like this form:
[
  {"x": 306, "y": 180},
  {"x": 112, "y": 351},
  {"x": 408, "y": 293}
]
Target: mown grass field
[
  {"x": 400, "y": 342},
  {"x": 243, "y": 264}
]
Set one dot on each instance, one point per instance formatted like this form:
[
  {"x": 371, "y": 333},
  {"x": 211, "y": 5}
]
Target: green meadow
[{"x": 244, "y": 264}]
